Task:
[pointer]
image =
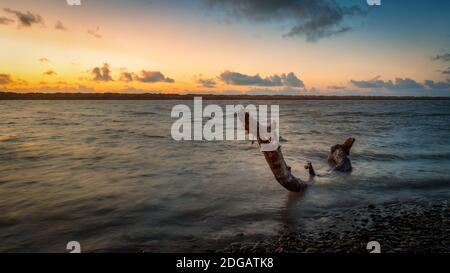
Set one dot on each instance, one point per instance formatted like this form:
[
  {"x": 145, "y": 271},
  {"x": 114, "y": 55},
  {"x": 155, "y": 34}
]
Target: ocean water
[{"x": 109, "y": 175}]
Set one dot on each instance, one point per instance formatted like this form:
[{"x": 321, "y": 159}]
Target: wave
[
  {"x": 422, "y": 184},
  {"x": 139, "y": 113},
  {"x": 373, "y": 156}
]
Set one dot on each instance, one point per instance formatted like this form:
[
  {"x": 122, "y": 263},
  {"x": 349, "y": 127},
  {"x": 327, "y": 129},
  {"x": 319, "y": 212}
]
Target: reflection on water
[
  {"x": 108, "y": 174},
  {"x": 287, "y": 213}
]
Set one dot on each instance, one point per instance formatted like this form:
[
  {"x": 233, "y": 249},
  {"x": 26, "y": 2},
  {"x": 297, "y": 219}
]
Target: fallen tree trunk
[{"x": 275, "y": 159}]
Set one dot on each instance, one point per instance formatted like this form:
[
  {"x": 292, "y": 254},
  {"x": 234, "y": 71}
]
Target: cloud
[
  {"x": 60, "y": 26},
  {"x": 438, "y": 85},
  {"x": 127, "y": 77},
  {"x": 49, "y": 73},
  {"x": 336, "y": 87},
  {"x": 399, "y": 84},
  {"x": 208, "y": 83},
  {"x": 443, "y": 57},
  {"x": 43, "y": 60},
  {"x": 404, "y": 86},
  {"x": 102, "y": 74},
  {"x": 5, "y": 21},
  {"x": 287, "y": 91},
  {"x": 312, "y": 19},
  {"x": 95, "y": 32},
  {"x": 291, "y": 80},
  {"x": 153, "y": 76},
  {"x": 374, "y": 83},
  {"x": 236, "y": 78},
  {"x": 5, "y": 79},
  {"x": 407, "y": 84},
  {"x": 26, "y": 19}
]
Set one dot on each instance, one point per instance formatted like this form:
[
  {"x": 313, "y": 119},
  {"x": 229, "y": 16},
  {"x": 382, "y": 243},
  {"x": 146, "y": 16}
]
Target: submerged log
[{"x": 275, "y": 159}]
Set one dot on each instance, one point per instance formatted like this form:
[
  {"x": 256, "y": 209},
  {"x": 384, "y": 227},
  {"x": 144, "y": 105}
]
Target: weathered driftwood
[
  {"x": 338, "y": 158},
  {"x": 277, "y": 164}
]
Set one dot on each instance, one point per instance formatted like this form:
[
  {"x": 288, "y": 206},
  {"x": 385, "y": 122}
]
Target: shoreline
[
  {"x": 398, "y": 227},
  {"x": 159, "y": 96}
]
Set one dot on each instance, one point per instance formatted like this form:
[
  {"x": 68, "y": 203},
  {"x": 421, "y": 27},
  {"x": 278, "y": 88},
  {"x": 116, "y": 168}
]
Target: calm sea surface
[{"x": 109, "y": 175}]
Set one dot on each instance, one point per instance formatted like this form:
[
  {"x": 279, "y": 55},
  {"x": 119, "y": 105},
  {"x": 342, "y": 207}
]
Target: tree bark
[{"x": 276, "y": 162}]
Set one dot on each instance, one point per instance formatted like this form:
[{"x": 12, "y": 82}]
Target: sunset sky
[{"x": 256, "y": 47}]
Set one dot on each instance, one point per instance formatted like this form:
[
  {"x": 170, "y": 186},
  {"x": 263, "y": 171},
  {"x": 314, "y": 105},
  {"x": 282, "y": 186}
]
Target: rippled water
[{"x": 108, "y": 174}]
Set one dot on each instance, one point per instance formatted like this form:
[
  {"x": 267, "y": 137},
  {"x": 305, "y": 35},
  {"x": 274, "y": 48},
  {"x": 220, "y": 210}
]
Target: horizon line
[{"x": 189, "y": 96}]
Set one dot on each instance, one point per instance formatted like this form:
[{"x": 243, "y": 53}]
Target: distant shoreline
[{"x": 152, "y": 96}]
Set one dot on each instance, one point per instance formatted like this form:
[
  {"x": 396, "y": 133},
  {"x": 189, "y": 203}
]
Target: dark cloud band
[
  {"x": 153, "y": 76},
  {"x": 236, "y": 78},
  {"x": 26, "y": 19},
  {"x": 443, "y": 57},
  {"x": 400, "y": 84},
  {"x": 312, "y": 19}
]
